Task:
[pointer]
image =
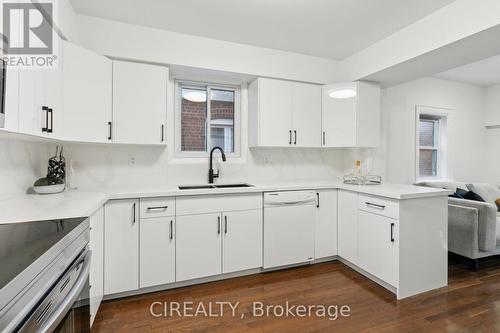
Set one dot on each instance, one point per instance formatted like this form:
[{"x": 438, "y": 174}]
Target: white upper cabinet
[
  {"x": 284, "y": 114},
  {"x": 270, "y": 113},
  {"x": 87, "y": 95},
  {"x": 351, "y": 115},
  {"x": 139, "y": 103},
  {"x": 306, "y": 115}
]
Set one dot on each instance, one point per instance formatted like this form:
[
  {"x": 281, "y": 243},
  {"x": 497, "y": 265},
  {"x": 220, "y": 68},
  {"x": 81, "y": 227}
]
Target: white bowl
[{"x": 49, "y": 189}]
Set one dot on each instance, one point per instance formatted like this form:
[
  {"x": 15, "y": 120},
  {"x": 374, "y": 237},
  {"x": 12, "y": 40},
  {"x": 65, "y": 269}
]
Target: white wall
[
  {"x": 493, "y": 132},
  {"x": 467, "y": 135},
  {"x": 21, "y": 163},
  {"x": 121, "y": 40}
]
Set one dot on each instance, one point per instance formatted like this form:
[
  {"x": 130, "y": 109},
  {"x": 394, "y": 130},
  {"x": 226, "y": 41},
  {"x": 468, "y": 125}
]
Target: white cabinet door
[
  {"x": 274, "y": 112},
  {"x": 139, "y": 103},
  {"x": 96, "y": 277},
  {"x": 338, "y": 118},
  {"x": 348, "y": 226},
  {"x": 377, "y": 246},
  {"x": 87, "y": 94},
  {"x": 242, "y": 245},
  {"x": 121, "y": 246},
  {"x": 288, "y": 235},
  {"x": 306, "y": 115},
  {"x": 198, "y": 246},
  {"x": 326, "y": 224},
  {"x": 157, "y": 251},
  {"x": 31, "y": 89},
  {"x": 351, "y": 121},
  {"x": 12, "y": 98}
]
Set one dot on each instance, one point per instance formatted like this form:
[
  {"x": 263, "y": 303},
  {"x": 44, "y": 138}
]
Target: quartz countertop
[{"x": 78, "y": 203}]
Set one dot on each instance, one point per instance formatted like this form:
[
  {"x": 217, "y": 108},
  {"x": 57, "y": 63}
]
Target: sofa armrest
[
  {"x": 486, "y": 221},
  {"x": 462, "y": 230}
]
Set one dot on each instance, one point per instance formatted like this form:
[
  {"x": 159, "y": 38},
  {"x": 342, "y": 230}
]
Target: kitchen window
[
  {"x": 431, "y": 148},
  {"x": 207, "y": 116}
]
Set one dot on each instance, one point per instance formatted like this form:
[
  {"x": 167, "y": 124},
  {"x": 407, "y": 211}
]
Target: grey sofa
[{"x": 473, "y": 226}]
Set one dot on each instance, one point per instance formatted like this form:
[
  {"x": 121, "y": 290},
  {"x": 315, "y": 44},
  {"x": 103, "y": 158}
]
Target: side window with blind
[{"x": 431, "y": 147}]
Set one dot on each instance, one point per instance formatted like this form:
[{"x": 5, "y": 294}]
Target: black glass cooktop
[{"x": 23, "y": 243}]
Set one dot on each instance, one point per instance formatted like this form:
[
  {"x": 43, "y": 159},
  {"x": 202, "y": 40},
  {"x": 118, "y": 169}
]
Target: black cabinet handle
[
  {"x": 225, "y": 224},
  {"x": 317, "y": 195},
  {"x": 51, "y": 128},
  {"x": 157, "y": 208},
  {"x": 295, "y": 137},
  {"x": 392, "y": 232},
  {"x": 46, "y": 110},
  {"x": 133, "y": 212},
  {"x": 110, "y": 129},
  {"x": 171, "y": 229},
  {"x": 374, "y": 205},
  {"x": 324, "y": 138},
  {"x": 162, "y": 133},
  {"x": 290, "y": 137}
]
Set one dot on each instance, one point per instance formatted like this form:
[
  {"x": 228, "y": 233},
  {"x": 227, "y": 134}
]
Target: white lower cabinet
[
  {"x": 157, "y": 251},
  {"x": 121, "y": 246},
  {"x": 96, "y": 275},
  {"x": 326, "y": 224},
  {"x": 377, "y": 246},
  {"x": 348, "y": 226},
  {"x": 242, "y": 241},
  {"x": 199, "y": 246}
]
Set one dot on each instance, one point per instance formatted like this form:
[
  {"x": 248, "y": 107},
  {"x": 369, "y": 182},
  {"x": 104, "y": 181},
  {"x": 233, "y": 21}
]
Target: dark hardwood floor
[{"x": 471, "y": 303}]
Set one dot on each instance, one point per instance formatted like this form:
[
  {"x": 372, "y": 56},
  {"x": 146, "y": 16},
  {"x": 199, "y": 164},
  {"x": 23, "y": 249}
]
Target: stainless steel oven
[
  {"x": 65, "y": 308},
  {"x": 44, "y": 280}
]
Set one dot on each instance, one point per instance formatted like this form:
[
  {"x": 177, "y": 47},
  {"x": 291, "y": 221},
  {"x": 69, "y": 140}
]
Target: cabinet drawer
[
  {"x": 378, "y": 205},
  {"x": 157, "y": 207}
]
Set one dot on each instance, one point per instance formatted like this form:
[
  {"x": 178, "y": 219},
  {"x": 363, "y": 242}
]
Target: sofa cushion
[
  {"x": 489, "y": 192},
  {"x": 469, "y": 195}
]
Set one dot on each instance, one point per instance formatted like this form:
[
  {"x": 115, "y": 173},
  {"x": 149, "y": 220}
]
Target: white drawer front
[
  {"x": 378, "y": 205},
  {"x": 218, "y": 203},
  {"x": 157, "y": 207}
]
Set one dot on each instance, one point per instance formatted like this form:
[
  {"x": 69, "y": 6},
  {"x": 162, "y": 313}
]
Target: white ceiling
[
  {"x": 333, "y": 29},
  {"x": 483, "y": 73}
]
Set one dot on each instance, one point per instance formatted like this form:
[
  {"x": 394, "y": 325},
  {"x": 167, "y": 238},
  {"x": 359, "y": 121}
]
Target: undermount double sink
[{"x": 212, "y": 186}]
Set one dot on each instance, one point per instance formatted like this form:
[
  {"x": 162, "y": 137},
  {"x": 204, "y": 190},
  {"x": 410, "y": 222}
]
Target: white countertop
[{"x": 78, "y": 203}]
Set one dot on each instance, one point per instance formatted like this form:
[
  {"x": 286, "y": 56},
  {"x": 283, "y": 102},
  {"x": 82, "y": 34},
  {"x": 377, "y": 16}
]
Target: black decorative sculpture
[{"x": 56, "y": 175}]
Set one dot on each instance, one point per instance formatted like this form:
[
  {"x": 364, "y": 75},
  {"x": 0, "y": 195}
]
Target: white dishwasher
[{"x": 289, "y": 220}]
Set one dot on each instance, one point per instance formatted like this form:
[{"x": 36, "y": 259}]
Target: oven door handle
[{"x": 67, "y": 303}]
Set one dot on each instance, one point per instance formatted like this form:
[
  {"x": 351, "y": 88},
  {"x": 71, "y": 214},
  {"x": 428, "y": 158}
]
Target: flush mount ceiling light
[
  {"x": 343, "y": 93},
  {"x": 195, "y": 96}
]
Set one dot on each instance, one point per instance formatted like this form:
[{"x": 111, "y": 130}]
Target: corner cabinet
[
  {"x": 284, "y": 114},
  {"x": 87, "y": 78},
  {"x": 139, "y": 103},
  {"x": 400, "y": 244},
  {"x": 351, "y": 120}
]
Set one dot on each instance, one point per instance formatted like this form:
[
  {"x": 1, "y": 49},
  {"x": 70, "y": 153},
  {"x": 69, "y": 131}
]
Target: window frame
[
  {"x": 440, "y": 117},
  {"x": 179, "y": 84}
]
